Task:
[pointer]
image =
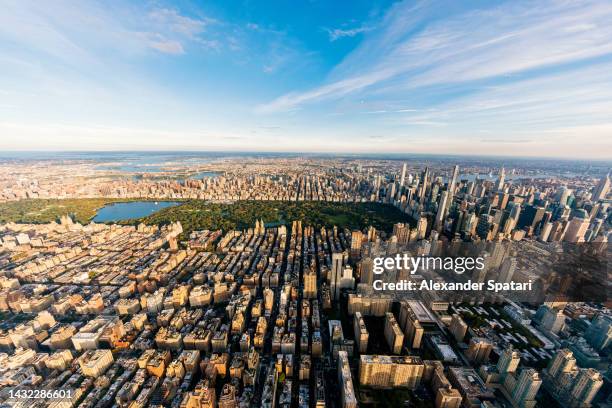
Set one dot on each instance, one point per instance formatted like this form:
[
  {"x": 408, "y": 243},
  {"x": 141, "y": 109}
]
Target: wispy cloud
[
  {"x": 521, "y": 72},
  {"x": 180, "y": 24},
  {"x": 413, "y": 49},
  {"x": 338, "y": 33},
  {"x": 161, "y": 44},
  {"x": 385, "y": 111},
  {"x": 68, "y": 30}
]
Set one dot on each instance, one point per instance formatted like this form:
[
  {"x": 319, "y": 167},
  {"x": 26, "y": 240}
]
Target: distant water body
[
  {"x": 204, "y": 174},
  {"x": 130, "y": 210},
  {"x": 155, "y": 161}
]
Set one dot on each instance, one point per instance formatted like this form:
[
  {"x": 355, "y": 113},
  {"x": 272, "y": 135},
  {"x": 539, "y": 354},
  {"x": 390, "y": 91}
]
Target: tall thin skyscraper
[
  {"x": 508, "y": 267},
  {"x": 403, "y": 177},
  {"x": 424, "y": 182},
  {"x": 421, "y": 228},
  {"x": 501, "y": 179},
  {"x": 336, "y": 274},
  {"x": 452, "y": 183},
  {"x": 441, "y": 209},
  {"x": 602, "y": 188}
]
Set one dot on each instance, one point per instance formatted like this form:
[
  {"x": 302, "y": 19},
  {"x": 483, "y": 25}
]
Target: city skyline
[
  {"x": 504, "y": 79},
  {"x": 181, "y": 280}
]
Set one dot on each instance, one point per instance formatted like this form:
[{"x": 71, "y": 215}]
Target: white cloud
[
  {"x": 77, "y": 32},
  {"x": 167, "y": 46},
  {"x": 338, "y": 33},
  {"x": 511, "y": 38},
  {"x": 178, "y": 23}
]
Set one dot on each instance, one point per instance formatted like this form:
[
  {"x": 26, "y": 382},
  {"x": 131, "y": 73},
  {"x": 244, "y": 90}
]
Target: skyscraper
[
  {"x": 527, "y": 385},
  {"x": 393, "y": 334},
  {"x": 421, "y": 228},
  {"x": 402, "y": 232},
  {"x": 506, "y": 272},
  {"x": 602, "y": 188},
  {"x": 356, "y": 241},
  {"x": 599, "y": 333},
  {"x": 501, "y": 179},
  {"x": 508, "y": 362},
  {"x": 403, "y": 176},
  {"x": 347, "y": 391},
  {"x": 530, "y": 217},
  {"x": 552, "y": 319},
  {"x": 562, "y": 362},
  {"x": 390, "y": 371},
  {"x": 485, "y": 226},
  {"x": 336, "y": 274},
  {"x": 576, "y": 229},
  {"x": 361, "y": 333},
  {"x": 423, "y": 187},
  {"x": 441, "y": 210},
  {"x": 391, "y": 192},
  {"x": 587, "y": 385},
  {"x": 458, "y": 327},
  {"x": 310, "y": 283},
  {"x": 366, "y": 268},
  {"x": 452, "y": 184},
  {"x": 448, "y": 397},
  {"x": 479, "y": 350}
]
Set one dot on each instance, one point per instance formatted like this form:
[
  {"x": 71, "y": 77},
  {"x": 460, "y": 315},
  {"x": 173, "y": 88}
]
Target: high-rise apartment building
[
  {"x": 310, "y": 284},
  {"x": 366, "y": 271},
  {"x": 361, "y": 333},
  {"x": 94, "y": 363},
  {"x": 587, "y": 385},
  {"x": 393, "y": 334},
  {"x": 356, "y": 241},
  {"x": 402, "y": 232},
  {"x": 562, "y": 362},
  {"x": 599, "y": 333},
  {"x": 525, "y": 388},
  {"x": 448, "y": 397},
  {"x": 479, "y": 350},
  {"x": 508, "y": 362},
  {"x": 390, "y": 371},
  {"x": 458, "y": 327},
  {"x": 576, "y": 229},
  {"x": 345, "y": 380},
  {"x": 421, "y": 228}
]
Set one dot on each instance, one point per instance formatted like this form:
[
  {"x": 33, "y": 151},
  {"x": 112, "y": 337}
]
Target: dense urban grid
[{"x": 284, "y": 314}]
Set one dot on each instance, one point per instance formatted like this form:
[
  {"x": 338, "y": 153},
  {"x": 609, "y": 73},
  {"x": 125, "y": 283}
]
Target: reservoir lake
[{"x": 129, "y": 210}]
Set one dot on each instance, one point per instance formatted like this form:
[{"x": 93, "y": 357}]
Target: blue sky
[{"x": 478, "y": 77}]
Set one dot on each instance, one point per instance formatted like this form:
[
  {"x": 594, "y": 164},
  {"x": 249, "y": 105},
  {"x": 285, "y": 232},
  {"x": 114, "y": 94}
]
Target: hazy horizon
[{"x": 366, "y": 155}]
